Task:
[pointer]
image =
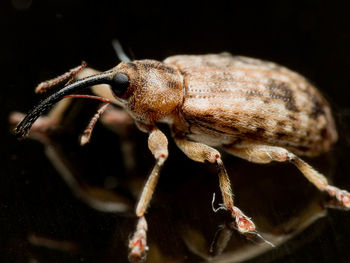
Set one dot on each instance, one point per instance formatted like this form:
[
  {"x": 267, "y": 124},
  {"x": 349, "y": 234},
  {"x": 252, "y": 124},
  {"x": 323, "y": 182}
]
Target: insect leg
[
  {"x": 158, "y": 144},
  {"x": 266, "y": 154},
  {"x": 68, "y": 76},
  {"x": 200, "y": 153},
  {"x": 54, "y": 117},
  {"x": 98, "y": 198}
]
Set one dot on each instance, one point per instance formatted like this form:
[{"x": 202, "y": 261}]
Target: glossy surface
[{"x": 42, "y": 220}]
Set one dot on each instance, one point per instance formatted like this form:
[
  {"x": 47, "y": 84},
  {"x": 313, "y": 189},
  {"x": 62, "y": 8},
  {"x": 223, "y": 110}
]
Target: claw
[
  {"x": 262, "y": 238},
  {"x": 246, "y": 226},
  {"x": 138, "y": 242},
  {"x": 341, "y": 195},
  {"x": 244, "y": 223}
]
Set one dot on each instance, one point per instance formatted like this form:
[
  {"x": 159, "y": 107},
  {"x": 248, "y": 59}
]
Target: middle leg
[{"x": 200, "y": 153}]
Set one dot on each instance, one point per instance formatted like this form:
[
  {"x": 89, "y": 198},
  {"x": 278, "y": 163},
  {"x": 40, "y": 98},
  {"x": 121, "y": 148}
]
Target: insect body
[
  {"x": 239, "y": 100},
  {"x": 253, "y": 109}
]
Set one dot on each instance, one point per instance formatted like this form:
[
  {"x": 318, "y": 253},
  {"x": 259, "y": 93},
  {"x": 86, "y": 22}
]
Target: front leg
[
  {"x": 158, "y": 144},
  {"x": 113, "y": 117},
  {"x": 200, "y": 153},
  {"x": 100, "y": 199},
  {"x": 53, "y": 118},
  {"x": 265, "y": 154}
]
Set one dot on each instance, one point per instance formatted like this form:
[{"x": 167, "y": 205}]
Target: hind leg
[{"x": 264, "y": 154}]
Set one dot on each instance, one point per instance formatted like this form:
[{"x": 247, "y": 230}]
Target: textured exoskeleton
[
  {"x": 253, "y": 109},
  {"x": 230, "y": 100}
]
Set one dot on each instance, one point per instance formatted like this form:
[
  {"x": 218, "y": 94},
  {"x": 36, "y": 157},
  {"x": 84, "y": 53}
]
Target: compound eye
[{"x": 120, "y": 83}]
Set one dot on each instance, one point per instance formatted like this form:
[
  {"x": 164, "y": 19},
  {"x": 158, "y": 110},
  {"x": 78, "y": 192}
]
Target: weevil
[{"x": 254, "y": 109}]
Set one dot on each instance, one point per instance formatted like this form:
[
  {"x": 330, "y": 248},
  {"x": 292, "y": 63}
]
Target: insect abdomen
[{"x": 253, "y": 100}]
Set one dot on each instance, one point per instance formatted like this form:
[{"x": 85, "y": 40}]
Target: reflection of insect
[{"x": 254, "y": 109}]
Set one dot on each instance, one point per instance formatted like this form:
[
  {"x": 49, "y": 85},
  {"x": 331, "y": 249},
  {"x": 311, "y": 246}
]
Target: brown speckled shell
[{"x": 234, "y": 99}]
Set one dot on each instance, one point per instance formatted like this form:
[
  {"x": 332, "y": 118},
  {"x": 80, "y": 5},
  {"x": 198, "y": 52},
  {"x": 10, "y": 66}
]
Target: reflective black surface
[{"x": 42, "y": 220}]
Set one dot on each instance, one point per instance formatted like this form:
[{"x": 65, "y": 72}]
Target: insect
[{"x": 253, "y": 109}]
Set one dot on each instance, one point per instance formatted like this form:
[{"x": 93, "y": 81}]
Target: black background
[{"x": 42, "y": 39}]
